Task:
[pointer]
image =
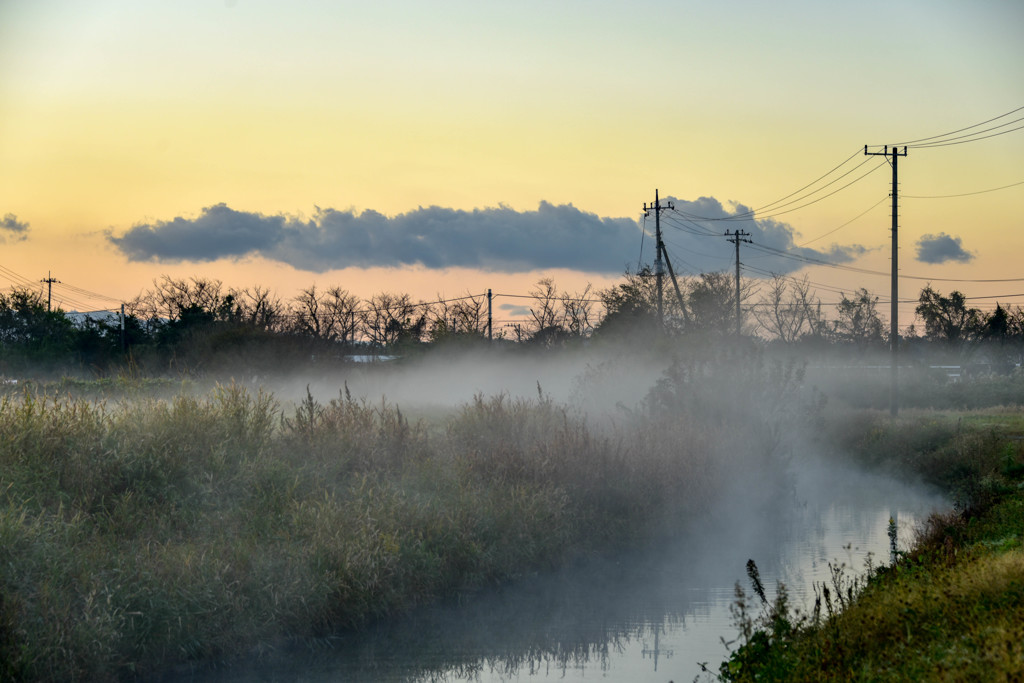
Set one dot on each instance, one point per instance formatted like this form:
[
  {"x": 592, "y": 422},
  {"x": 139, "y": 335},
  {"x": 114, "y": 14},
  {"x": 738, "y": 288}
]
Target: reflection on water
[{"x": 650, "y": 617}]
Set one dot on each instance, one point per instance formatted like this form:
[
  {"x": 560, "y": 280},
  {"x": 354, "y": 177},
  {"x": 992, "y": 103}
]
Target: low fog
[
  {"x": 597, "y": 383},
  {"x": 772, "y": 465},
  {"x": 783, "y": 497}
]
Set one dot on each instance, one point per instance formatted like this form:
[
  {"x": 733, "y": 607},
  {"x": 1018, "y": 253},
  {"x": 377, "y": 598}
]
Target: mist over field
[
  {"x": 592, "y": 383},
  {"x": 261, "y": 472}
]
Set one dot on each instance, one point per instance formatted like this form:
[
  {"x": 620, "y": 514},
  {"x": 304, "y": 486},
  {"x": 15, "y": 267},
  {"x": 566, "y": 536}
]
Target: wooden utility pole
[
  {"x": 894, "y": 328},
  {"x": 675, "y": 283},
  {"x": 49, "y": 288},
  {"x": 659, "y": 264},
  {"x": 737, "y": 237},
  {"x": 490, "y": 320}
]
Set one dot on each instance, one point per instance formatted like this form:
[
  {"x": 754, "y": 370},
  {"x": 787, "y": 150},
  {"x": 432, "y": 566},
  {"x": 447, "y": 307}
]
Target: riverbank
[
  {"x": 145, "y": 533},
  {"x": 146, "y": 529},
  {"x": 951, "y": 608}
]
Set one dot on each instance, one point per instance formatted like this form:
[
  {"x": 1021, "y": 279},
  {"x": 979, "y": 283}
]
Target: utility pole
[
  {"x": 675, "y": 283},
  {"x": 49, "y": 288},
  {"x": 659, "y": 266},
  {"x": 736, "y": 237},
  {"x": 490, "y": 320},
  {"x": 894, "y": 329}
]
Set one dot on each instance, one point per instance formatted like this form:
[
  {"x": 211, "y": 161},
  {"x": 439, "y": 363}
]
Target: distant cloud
[
  {"x": 698, "y": 227},
  {"x": 514, "y": 309},
  {"x": 497, "y": 239},
  {"x": 10, "y": 225},
  {"x": 941, "y": 248}
]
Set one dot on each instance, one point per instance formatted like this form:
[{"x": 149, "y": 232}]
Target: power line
[
  {"x": 750, "y": 214},
  {"x": 959, "y": 130},
  {"x": 965, "y": 194},
  {"x": 804, "y": 244},
  {"x": 16, "y": 278},
  {"x": 813, "y": 182},
  {"x": 957, "y": 141},
  {"x": 86, "y": 292},
  {"x": 829, "y": 288}
]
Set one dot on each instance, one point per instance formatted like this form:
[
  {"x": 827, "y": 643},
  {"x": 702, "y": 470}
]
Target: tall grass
[{"x": 137, "y": 535}]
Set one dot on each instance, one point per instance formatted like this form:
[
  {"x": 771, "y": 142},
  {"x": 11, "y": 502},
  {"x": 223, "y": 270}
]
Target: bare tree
[
  {"x": 169, "y": 298},
  {"x": 545, "y": 314},
  {"x": 342, "y": 308},
  {"x": 441, "y": 319},
  {"x": 308, "y": 315},
  {"x": 466, "y": 315},
  {"x": 470, "y": 314},
  {"x": 258, "y": 308},
  {"x": 788, "y": 311},
  {"x": 389, "y": 318},
  {"x": 329, "y": 315},
  {"x": 577, "y": 311}
]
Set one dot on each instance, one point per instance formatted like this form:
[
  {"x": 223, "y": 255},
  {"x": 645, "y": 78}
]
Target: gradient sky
[{"x": 445, "y": 147}]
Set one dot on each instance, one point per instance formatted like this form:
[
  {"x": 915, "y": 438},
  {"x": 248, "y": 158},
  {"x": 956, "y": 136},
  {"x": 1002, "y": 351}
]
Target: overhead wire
[
  {"x": 86, "y": 292},
  {"x": 831, "y": 288},
  {"x": 751, "y": 212},
  {"x": 937, "y": 138},
  {"x": 866, "y": 271},
  {"x": 751, "y": 215},
  {"x": 813, "y": 182},
  {"x": 643, "y": 232},
  {"x": 17, "y": 279},
  {"x": 964, "y": 194},
  {"x": 836, "y": 191},
  {"x": 720, "y": 257},
  {"x": 687, "y": 225},
  {"x": 837, "y": 229},
  {"x": 959, "y": 141}
]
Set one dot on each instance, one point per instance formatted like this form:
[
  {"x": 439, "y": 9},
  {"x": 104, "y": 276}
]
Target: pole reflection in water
[{"x": 652, "y": 616}]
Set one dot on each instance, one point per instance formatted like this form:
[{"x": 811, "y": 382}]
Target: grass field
[
  {"x": 139, "y": 534},
  {"x": 149, "y": 523}
]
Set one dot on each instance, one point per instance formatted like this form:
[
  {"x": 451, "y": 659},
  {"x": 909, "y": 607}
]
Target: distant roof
[{"x": 368, "y": 358}]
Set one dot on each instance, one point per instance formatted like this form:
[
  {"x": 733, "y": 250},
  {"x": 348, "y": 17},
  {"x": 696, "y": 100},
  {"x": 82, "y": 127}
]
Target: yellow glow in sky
[{"x": 118, "y": 113}]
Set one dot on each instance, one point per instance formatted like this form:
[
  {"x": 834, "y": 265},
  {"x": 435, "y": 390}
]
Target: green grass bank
[{"x": 950, "y": 609}]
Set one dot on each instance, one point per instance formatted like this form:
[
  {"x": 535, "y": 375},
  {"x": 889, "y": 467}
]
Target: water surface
[{"x": 651, "y": 616}]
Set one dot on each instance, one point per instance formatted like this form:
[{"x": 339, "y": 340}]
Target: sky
[{"x": 449, "y": 147}]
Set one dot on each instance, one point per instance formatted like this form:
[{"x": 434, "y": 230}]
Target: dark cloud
[
  {"x": 218, "y": 232},
  {"x": 494, "y": 239},
  {"x": 941, "y": 248},
  {"x": 10, "y": 225}
]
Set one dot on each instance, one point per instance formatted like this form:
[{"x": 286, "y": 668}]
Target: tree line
[{"x": 196, "y": 323}]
